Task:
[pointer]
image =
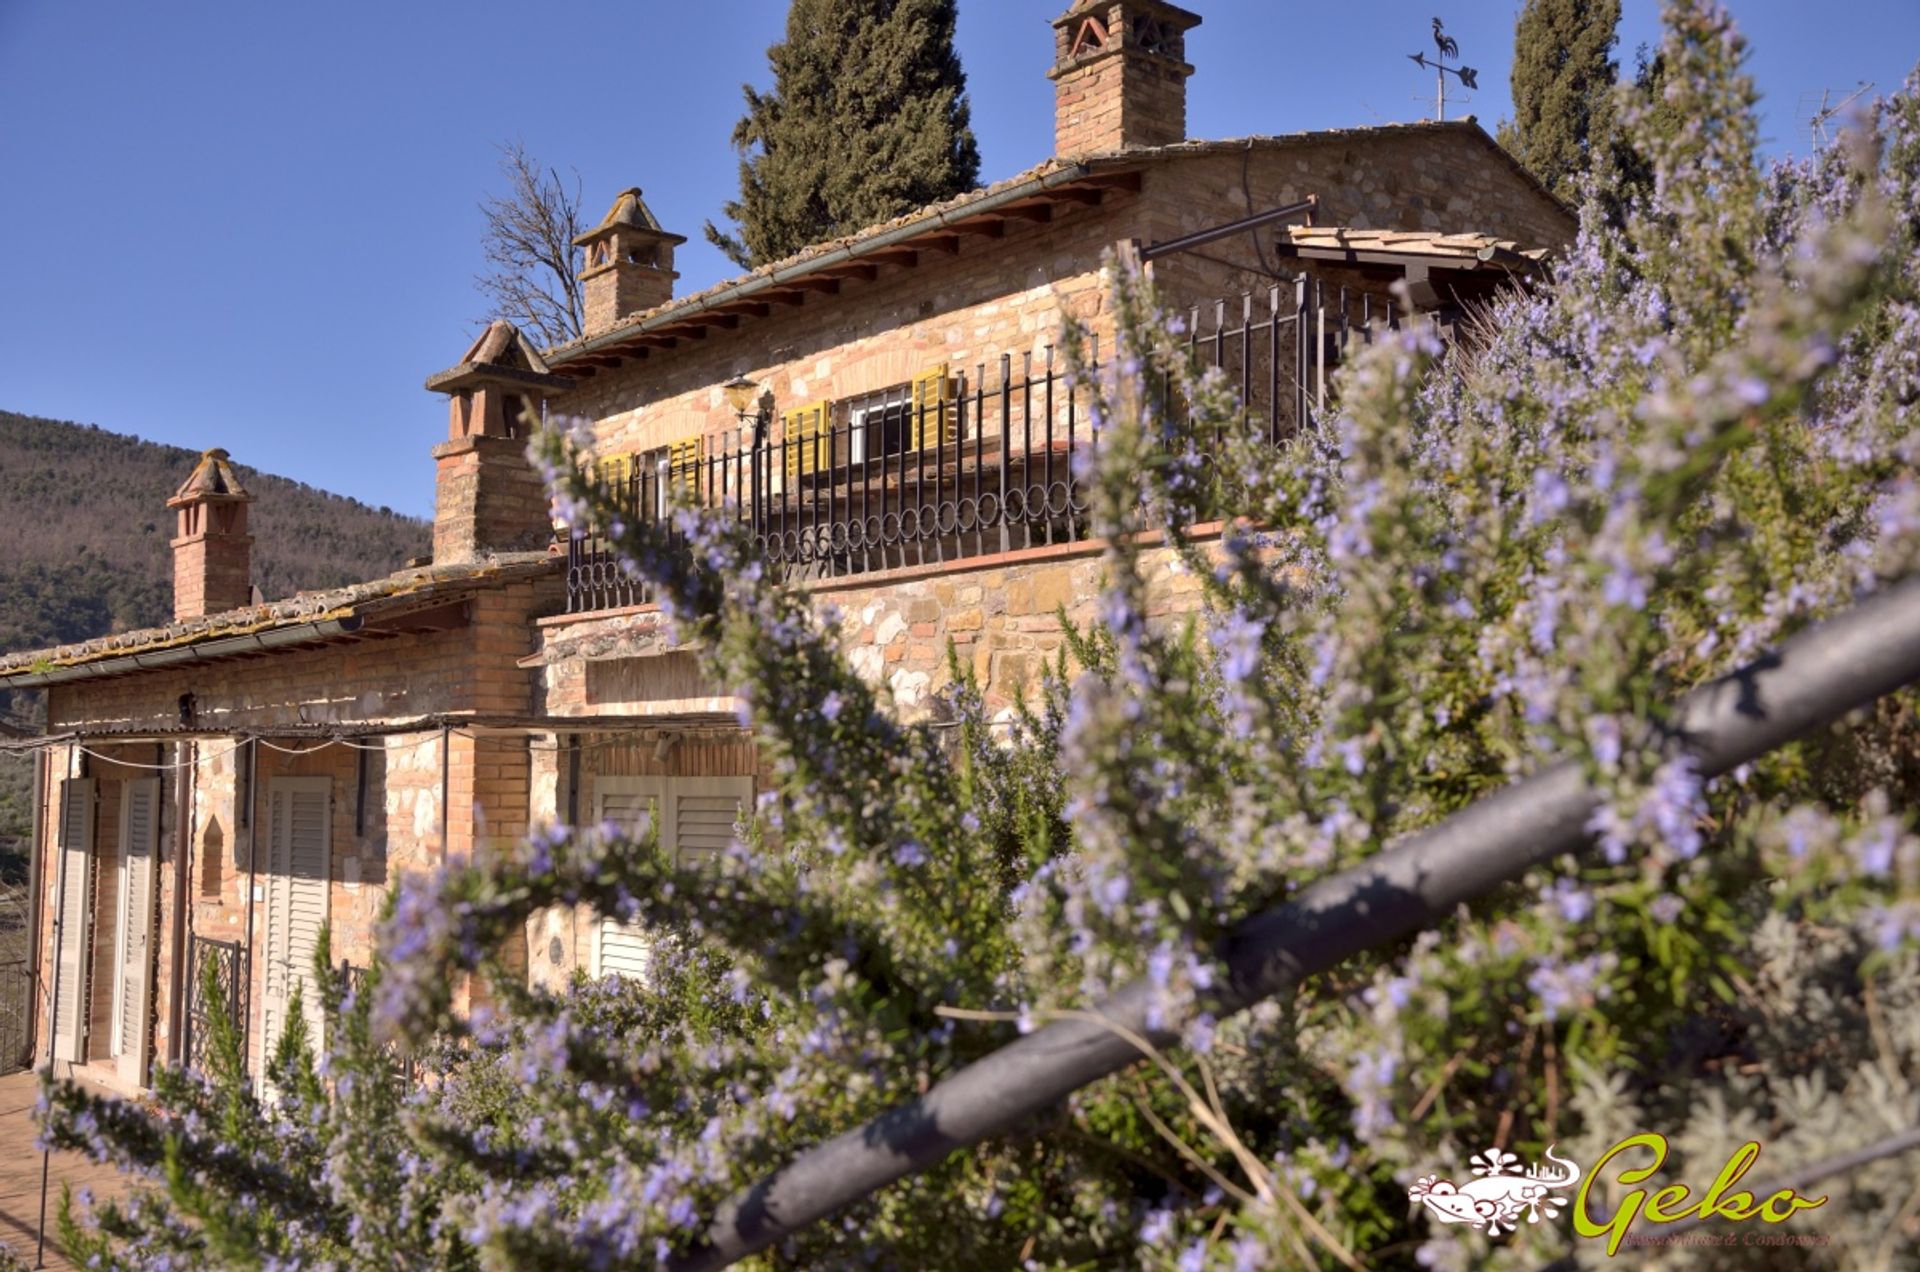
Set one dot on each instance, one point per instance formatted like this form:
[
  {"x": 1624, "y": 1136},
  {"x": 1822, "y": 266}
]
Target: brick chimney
[
  {"x": 1119, "y": 76},
  {"x": 629, "y": 263},
  {"x": 486, "y": 495},
  {"x": 212, "y": 551}
]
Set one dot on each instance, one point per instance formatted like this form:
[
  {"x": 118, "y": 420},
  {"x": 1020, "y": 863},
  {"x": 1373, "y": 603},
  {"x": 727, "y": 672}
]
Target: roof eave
[{"x": 753, "y": 285}]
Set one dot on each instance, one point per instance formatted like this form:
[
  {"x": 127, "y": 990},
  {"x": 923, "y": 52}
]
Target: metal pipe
[
  {"x": 1200, "y": 238},
  {"x": 1813, "y": 680}
]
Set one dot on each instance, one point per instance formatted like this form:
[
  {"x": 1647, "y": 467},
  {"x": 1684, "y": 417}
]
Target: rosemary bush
[{"x": 1695, "y": 441}]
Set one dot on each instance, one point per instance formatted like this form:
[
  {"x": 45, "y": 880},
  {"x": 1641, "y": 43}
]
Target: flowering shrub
[{"x": 1694, "y": 442}]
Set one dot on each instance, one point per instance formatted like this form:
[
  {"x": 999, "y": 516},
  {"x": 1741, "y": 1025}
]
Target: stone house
[{"x": 888, "y": 414}]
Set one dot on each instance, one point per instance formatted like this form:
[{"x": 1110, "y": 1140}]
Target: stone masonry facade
[{"x": 499, "y": 706}]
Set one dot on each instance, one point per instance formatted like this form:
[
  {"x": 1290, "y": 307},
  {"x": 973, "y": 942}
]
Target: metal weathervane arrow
[{"x": 1448, "y": 48}]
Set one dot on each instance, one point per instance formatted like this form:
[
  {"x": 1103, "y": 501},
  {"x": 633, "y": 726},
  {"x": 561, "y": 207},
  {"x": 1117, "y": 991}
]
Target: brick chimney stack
[
  {"x": 212, "y": 551},
  {"x": 1119, "y": 76},
  {"x": 487, "y": 496},
  {"x": 629, "y": 263}
]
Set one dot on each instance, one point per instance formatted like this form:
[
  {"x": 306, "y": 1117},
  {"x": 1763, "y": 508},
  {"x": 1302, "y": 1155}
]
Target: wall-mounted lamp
[
  {"x": 748, "y": 401},
  {"x": 663, "y": 747}
]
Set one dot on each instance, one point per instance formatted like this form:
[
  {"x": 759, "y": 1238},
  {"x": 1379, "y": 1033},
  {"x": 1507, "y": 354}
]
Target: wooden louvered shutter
[
  {"x": 622, "y": 949},
  {"x": 75, "y": 910},
  {"x": 685, "y": 472},
  {"x": 934, "y": 418},
  {"x": 802, "y": 430},
  {"x": 299, "y": 869},
  {"x": 697, "y": 817},
  {"x": 704, "y": 812},
  {"x": 133, "y": 944}
]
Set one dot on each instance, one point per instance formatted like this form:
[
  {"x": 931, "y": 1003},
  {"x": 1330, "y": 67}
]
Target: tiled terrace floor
[{"x": 20, "y": 1173}]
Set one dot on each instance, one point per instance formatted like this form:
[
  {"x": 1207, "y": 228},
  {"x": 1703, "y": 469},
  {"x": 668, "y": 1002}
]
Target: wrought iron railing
[
  {"x": 233, "y": 973},
  {"x": 980, "y": 463}
]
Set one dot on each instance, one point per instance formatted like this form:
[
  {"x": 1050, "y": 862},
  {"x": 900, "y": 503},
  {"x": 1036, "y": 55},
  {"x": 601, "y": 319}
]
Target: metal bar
[
  {"x": 1026, "y": 447},
  {"x": 979, "y": 451},
  {"x": 1049, "y": 431},
  {"x": 1006, "y": 441},
  {"x": 1200, "y": 238},
  {"x": 1273, "y": 364},
  {"x": 1811, "y": 681}
]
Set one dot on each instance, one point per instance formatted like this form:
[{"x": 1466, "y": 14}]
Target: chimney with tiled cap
[
  {"x": 1119, "y": 76},
  {"x": 486, "y": 495},
  {"x": 629, "y": 263},
  {"x": 212, "y": 551}
]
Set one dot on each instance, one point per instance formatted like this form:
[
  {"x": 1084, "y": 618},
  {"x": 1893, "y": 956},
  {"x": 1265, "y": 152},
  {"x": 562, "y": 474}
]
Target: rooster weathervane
[{"x": 1449, "y": 48}]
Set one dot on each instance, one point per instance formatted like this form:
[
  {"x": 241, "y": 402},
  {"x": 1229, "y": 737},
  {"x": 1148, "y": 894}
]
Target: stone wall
[{"x": 1010, "y": 295}]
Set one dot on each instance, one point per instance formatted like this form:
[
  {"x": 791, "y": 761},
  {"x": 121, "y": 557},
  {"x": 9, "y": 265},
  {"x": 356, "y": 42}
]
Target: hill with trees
[{"x": 84, "y": 514}]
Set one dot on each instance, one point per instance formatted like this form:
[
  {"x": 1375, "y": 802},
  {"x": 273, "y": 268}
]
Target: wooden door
[
  {"x": 299, "y": 869},
  {"x": 74, "y": 908},
  {"x": 133, "y": 941}
]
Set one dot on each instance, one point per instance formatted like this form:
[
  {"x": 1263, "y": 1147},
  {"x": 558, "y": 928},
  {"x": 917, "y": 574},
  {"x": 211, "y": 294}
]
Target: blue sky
[{"x": 253, "y": 224}]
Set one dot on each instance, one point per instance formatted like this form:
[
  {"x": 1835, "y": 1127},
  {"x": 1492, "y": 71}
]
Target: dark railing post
[
  {"x": 1006, "y": 440},
  {"x": 1301, "y": 417}
]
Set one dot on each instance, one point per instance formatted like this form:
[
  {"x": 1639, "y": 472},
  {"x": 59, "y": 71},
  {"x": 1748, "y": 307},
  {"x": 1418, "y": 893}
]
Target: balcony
[{"x": 981, "y": 465}]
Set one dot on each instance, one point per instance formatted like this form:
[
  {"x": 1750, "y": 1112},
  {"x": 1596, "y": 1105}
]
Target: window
[{"x": 881, "y": 425}]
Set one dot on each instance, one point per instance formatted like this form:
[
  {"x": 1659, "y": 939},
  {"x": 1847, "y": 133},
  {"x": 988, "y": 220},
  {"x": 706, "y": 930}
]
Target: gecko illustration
[{"x": 1502, "y": 1194}]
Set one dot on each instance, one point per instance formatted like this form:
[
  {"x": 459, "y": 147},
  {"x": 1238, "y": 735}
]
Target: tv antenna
[
  {"x": 1449, "y": 48},
  {"x": 1818, "y": 117}
]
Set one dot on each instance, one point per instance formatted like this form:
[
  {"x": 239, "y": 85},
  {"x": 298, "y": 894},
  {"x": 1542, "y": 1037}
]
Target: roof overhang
[{"x": 936, "y": 233}]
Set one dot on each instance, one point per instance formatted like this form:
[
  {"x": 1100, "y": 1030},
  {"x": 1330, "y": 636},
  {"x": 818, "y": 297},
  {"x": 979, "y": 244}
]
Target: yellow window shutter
[
  {"x": 684, "y": 468},
  {"x": 801, "y": 427},
  {"x": 612, "y": 471},
  {"x": 934, "y": 418}
]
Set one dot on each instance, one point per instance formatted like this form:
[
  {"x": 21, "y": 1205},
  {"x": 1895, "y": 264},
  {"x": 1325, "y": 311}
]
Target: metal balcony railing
[{"x": 981, "y": 463}]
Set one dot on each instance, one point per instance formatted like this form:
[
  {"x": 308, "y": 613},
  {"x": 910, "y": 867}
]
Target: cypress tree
[
  {"x": 867, "y": 118},
  {"x": 1563, "y": 81}
]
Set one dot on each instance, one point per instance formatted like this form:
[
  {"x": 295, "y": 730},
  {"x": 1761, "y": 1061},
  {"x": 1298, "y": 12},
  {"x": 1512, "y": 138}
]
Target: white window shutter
[
  {"x": 75, "y": 910},
  {"x": 133, "y": 942},
  {"x": 697, "y": 819},
  {"x": 299, "y": 868}
]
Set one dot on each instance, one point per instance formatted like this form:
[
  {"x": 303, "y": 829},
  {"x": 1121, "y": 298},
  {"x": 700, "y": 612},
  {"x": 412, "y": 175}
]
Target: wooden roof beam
[
  {"x": 812, "y": 282},
  {"x": 1039, "y": 213},
  {"x": 985, "y": 227}
]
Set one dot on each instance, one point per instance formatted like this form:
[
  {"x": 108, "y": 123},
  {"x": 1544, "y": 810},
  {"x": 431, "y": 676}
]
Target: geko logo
[{"x": 1504, "y": 1194}]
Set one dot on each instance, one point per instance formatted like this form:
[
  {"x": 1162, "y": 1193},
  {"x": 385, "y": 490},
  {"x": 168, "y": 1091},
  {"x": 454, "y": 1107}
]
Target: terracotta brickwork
[
  {"x": 1120, "y": 76},
  {"x": 385, "y": 794},
  {"x": 486, "y": 497}
]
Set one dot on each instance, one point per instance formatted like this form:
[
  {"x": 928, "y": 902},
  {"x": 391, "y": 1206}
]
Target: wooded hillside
[{"x": 83, "y": 514}]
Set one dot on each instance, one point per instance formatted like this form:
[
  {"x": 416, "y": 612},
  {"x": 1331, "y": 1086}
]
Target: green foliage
[
  {"x": 867, "y": 119},
  {"x": 1563, "y": 84}
]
